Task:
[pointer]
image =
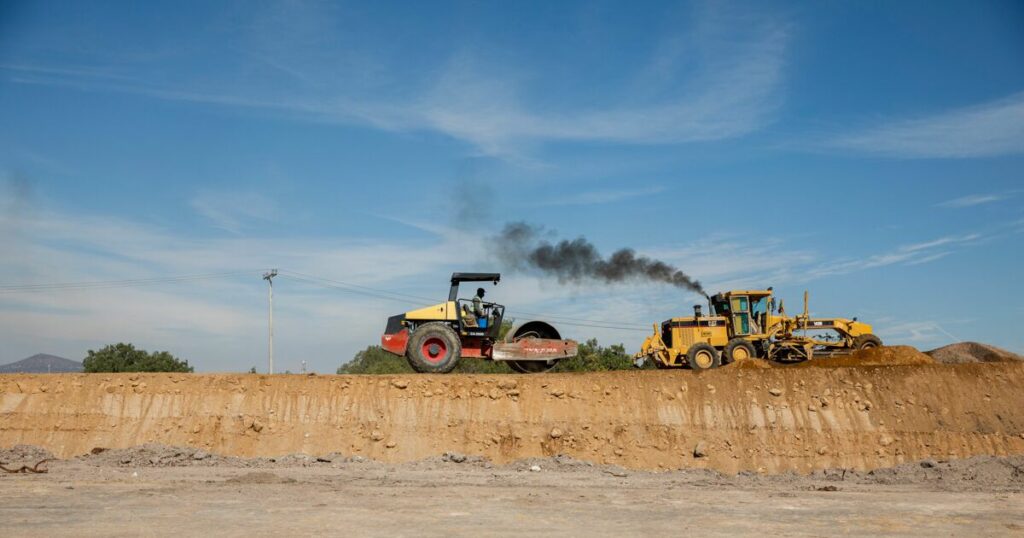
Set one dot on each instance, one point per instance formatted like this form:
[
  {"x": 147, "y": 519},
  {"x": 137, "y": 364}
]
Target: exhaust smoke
[{"x": 520, "y": 247}]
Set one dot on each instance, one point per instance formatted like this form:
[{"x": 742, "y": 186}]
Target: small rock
[
  {"x": 454, "y": 457},
  {"x": 886, "y": 440},
  {"x": 376, "y": 435},
  {"x": 535, "y": 468},
  {"x": 555, "y": 433},
  {"x": 391, "y": 444},
  {"x": 506, "y": 384},
  {"x": 828, "y": 488},
  {"x": 928, "y": 464},
  {"x": 400, "y": 383},
  {"x": 201, "y": 455},
  {"x": 822, "y": 451},
  {"x": 257, "y": 426},
  {"x": 558, "y": 393},
  {"x": 775, "y": 391},
  {"x": 701, "y": 450}
]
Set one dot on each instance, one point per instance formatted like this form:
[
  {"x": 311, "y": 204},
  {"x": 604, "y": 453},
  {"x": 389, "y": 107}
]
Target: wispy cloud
[
  {"x": 972, "y": 200},
  {"x": 910, "y": 254},
  {"x": 231, "y": 211},
  {"x": 920, "y": 333},
  {"x": 984, "y": 130},
  {"x": 602, "y": 196},
  {"x": 733, "y": 90}
]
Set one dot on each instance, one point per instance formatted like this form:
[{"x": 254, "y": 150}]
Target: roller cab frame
[{"x": 436, "y": 337}]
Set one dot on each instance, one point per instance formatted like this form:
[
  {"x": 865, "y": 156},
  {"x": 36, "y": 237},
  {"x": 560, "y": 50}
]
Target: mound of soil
[
  {"x": 876, "y": 356},
  {"x": 972, "y": 352},
  {"x": 24, "y": 455}
]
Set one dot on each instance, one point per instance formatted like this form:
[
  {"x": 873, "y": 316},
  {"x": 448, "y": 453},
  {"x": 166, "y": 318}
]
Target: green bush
[
  {"x": 592, "y": 357},
  {"x": 125, "y": 358}
]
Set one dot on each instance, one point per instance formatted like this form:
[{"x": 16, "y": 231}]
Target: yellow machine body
[
  {"x": 749, "y": 323},
  {"x": 446, "y": 311}
]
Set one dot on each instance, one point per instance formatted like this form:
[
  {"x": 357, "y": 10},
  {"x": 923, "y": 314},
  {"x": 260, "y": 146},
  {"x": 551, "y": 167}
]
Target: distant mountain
[{"x": 42, "y": 363}]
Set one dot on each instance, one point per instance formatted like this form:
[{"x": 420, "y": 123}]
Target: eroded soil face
[{"x": 895, "y": 405}]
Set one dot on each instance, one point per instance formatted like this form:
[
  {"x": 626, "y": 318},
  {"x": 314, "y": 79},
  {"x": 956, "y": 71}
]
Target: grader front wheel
[{"x": 866, "y": 341}]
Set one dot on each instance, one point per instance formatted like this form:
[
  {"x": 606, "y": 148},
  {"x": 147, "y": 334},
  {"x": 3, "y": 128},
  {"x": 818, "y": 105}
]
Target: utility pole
[{"x": 269, "y": 277}]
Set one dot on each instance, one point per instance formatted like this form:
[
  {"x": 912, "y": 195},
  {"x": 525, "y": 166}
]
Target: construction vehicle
[
  {"x": 744, "y": 324},
  {"x": 435, "y": 338}
]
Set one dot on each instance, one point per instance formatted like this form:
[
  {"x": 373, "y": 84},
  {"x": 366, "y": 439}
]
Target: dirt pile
[
  {"x": 19, "y": 455},
  {"x": 965, "y": 352},
  {"x": 730, "y": 419},
  {"x": 876, "y": 356}
]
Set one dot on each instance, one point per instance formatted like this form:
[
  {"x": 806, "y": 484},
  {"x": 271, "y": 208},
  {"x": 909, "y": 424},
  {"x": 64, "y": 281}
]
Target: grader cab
[{"x": 744, "y": 324}]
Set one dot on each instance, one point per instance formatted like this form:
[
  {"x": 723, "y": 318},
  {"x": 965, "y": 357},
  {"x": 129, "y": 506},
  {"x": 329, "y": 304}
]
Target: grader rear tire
[
  {"x": 738, "y": 349},
  {"x": 703, "y": 356},
  {"x": 434, "y": 348}
]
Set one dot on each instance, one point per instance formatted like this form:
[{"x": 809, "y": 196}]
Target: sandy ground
[{"x": 97, "y": 496}]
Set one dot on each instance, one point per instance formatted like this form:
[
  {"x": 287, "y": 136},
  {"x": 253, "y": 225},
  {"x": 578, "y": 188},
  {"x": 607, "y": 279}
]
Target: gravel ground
[{"x": 160, "y": 490}]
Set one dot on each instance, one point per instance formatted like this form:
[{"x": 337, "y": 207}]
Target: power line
[
  {"x": 328, "y": 283},
  {"x": 405, "y": 298},
  {"x": 106, "y": 284}
]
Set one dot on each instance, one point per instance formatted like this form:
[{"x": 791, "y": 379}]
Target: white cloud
[
  {"x": 911, "y": 254},
  {"x": 984, "y": 130},
  {"x": 231, "y": 211},
  {"x": 602, "y": 196},
  {"x": 732, "y": 89},
  {"x": 972, "y": 200}
]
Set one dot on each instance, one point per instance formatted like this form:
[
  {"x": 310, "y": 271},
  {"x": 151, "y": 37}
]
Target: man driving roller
[{"x": 478, "y": 306}]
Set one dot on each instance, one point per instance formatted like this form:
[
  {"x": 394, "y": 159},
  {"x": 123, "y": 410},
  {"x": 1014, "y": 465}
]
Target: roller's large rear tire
[
  {"x": 434, "y": 348},
  {"x": 866, "y": 341},
  {"x": 702, "y": 356}
]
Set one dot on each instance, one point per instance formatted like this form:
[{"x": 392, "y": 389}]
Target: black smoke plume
[{"x": 519, "y": 246}]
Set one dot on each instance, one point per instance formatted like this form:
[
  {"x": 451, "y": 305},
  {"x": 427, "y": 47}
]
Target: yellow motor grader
[{"x": 745, "y": 324}]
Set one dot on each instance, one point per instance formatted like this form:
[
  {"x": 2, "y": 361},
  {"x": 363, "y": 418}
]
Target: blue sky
[{"x": 869, "y": 152}]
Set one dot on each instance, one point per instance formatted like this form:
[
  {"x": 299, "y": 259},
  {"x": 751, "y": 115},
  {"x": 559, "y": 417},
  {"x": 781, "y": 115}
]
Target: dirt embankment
[{"x": 731, "y": 419}]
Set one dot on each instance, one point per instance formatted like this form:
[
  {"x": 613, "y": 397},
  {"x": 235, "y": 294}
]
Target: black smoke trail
[{"x": 520, "y": 247}]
